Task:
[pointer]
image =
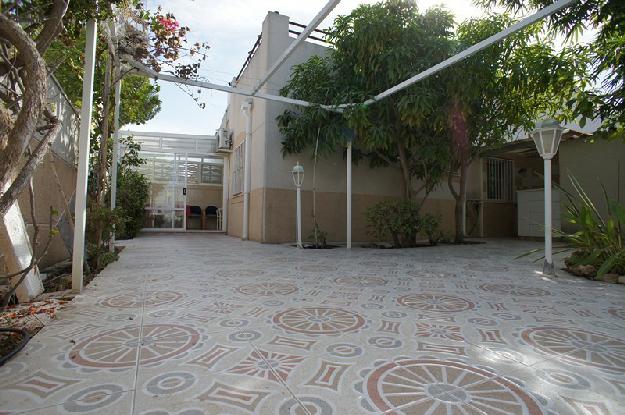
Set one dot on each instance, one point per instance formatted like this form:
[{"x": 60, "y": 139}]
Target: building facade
[{"x": 495, "y": 182}]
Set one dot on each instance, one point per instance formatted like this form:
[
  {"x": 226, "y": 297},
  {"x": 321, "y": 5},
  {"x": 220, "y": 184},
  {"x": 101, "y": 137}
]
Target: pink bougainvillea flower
[{"x": 169, "y": 23}]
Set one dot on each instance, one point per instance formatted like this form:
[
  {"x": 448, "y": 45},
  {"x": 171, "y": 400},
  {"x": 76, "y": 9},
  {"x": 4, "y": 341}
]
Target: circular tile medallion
[
  {"x": 267, "y": 289},
  {"x": 512, "y": 289},
  {"x": 93, "y": 398},
  {"x": 435, "y": 302},
  {"x": 578, "y": 346},
  {"x": 318, "y": 320},
  {"x": 361, "y": 281},
  {"x": 118, "y": 348},
  {"x": 445, "y": 387},
  {"x": 147, "y": 299}
]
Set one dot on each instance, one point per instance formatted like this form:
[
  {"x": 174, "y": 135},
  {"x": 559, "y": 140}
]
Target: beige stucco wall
[
  {"x": 280, "y": 220},
  {"x": 47, "y": 195},
  {"x": 204, "y": 195},
  {"x": 272, "y": 198},
  {"x": 593, "y": 164}
]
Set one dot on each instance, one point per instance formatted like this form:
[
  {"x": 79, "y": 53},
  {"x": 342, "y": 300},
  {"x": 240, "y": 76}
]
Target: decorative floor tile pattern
[{"x": 206, "y": 324}]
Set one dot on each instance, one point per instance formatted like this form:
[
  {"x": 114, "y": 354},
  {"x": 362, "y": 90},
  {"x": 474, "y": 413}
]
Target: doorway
[{"x": 166, "y": 207}]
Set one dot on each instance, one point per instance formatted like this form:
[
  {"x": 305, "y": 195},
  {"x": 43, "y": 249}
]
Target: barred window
[{"x": 499, "y": 180}]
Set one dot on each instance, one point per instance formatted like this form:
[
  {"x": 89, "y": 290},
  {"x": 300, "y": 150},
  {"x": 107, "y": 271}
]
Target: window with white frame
[
  {"x": 237, "y": 174},
  {"x": 499, "y": 180}
]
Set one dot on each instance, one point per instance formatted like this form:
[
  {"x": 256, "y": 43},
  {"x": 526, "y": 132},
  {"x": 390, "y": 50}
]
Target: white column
[
  {"x": 548, "y": 265},
  {"x": 115, "y": 162},
  {"x": 225, "y": 194},
  {"x": 247, "y": 176},
  {"x": 80, "y": 209},
  {"x": 349, "y": 195},
  {"x": 299, "y": 217}
]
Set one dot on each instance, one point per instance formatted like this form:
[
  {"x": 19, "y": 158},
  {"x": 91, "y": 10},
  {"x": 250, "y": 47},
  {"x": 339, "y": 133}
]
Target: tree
[
  {"x": 374, "y": 48},
  {"x": 511, "y": 84},
  {"x": 606, "y": 66},
  {"x": 155, "y": 39},
  {"x": 27, "y": 29},
  {"x": 37, "y": 37}
]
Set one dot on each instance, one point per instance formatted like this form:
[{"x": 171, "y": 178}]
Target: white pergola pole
[
  {"x": 548, "y": 265},
  {"x": 299, "y": 217},
  {"x": 349, "y": 195},
  {"x": 115, "y": 162},
  {"x": 80, "y": 208},
  {"x": 247, "y": 175},
  {"x": 225, "y": 194}
]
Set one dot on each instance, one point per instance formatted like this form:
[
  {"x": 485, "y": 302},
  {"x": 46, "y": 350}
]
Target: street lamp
[
  {"x": 298, "y": 179},
  {"x": 547, "y": 137}
]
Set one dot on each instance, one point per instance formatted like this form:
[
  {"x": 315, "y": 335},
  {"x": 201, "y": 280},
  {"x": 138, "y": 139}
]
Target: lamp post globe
[
  {"x": 298, "y": 174},
  {"x": 547, "y": 136}
]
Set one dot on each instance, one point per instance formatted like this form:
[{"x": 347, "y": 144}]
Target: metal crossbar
[{"x": 520, "y": 25}]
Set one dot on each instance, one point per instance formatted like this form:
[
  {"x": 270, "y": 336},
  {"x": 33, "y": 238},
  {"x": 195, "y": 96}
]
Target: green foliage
[
  {"x": 606, "y": 65},
  {"x": 599, "y": 240},
  {"x": 139, "y": 98},
  {"x": 318, "y": 237},
  {"x": 133, "y": 191},
  {"x": 402, "y": 222},
  {"x": 512, "y": 83},
  {"x": 111, "y": 219},
  {"x": 374, "y": 48}
]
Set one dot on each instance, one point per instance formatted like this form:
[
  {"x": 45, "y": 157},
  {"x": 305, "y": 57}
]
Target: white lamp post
[
  {"x": 298, "y": 179},
  {"x": 547, "y": 137}
]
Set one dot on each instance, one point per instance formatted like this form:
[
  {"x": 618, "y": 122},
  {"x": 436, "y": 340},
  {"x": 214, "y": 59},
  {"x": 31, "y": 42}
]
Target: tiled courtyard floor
[{"x": 206, "y": 324}]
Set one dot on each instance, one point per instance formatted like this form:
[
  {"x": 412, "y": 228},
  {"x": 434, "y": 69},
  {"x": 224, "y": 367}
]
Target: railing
[
  {"x": 296, "y": 29},
  {"x": 250, "y": 55}
]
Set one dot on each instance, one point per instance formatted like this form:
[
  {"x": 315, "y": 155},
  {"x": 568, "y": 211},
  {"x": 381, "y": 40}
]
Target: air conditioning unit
[{"x": 224, "y": 139}]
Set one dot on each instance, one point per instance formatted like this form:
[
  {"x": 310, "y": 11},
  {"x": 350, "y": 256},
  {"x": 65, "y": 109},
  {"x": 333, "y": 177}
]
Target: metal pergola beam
[
  {"x": 497, "y": 37},
  {"x": 518, "y": 26},
  {"x": 144, "y": 70}
]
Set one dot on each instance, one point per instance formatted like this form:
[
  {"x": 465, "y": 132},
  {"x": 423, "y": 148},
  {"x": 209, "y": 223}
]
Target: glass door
[
  {"x": 167, "y": 202},
  {"x": 179, "y": 208}
]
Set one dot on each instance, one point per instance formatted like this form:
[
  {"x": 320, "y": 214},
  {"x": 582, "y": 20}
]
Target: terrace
[{"x": 225, "y": 326}]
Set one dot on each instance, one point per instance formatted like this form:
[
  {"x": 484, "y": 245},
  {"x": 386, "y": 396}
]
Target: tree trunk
[
  {"x": 405, "y": 171},
  {"x": 15, "y": 139},
  {"x": 461, "y": 150},
  {"x": 103, "y": 153},
  {"x": 461, "y": 200}
]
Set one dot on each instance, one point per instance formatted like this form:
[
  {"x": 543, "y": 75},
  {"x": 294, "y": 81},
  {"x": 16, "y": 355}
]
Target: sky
[{"x": 230, "y": 27}]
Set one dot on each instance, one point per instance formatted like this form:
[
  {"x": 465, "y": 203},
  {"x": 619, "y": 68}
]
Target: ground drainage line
[
  {"x": 280, "y": 379},
  {"x": 137, "y": 360}
]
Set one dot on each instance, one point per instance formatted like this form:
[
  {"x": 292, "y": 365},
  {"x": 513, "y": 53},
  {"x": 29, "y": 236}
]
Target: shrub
[
  {"x": 318, "y": 237},
  {"x": 599, "y": 240},
  {"x": 401, "y": 221},
  {"x": 133, "y": 190}
]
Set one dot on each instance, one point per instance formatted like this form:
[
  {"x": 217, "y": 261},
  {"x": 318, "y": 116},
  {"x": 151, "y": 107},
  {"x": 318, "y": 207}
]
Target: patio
[{"x": 207, "y": 324}]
